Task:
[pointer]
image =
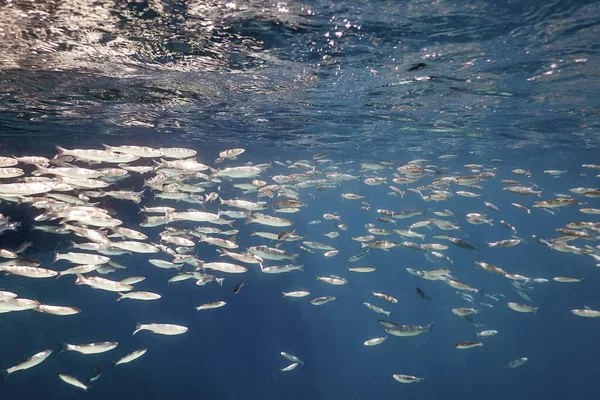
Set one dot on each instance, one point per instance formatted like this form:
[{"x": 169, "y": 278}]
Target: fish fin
[
  {"x": 64, "y": 347},
  {"x": 59, "y": 151},
  {"x": 39, "y": 170}
]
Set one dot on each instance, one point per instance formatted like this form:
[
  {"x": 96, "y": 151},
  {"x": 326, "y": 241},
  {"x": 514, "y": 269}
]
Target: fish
[
  {"x": 455, "y": 283},
  {"x": 291, "y": 357},
  {"x": 516, "y": 363},
  {"x": 161, "y": 329},
  {"x": 521, "y": 307},
  {"x": 378, "y": 310},
  {"x": 586, "y": 312},
  {"x": 90, "y": 348},
  {"x": 138, "y": 296},
  {"x": 97, "y": 374},
  {"x": 362, "y": 269},
  {"x": 30, "y": 362},
  {"x": 57, "y": 310},
  {"x": 296, "y": 294},
  {"x": 468, "y": 345},
  {"x": 30, "y": 272},
  {"x": 131, "y": 357},
  {"x": 319, "y": 301},
  {"x": 422, "y": 294},
  {"x": 280, "y": 269},
  {"x": 225, "y": 267},
  {"x": 290, "y": 367},
  {"x": 487, "y": 333},
  {"x": 375, "y": 341},
  {"x": 211, "y": 305},
  {"x": 81, "y": 258},
  {"x": 408, "y": 330},
  {"x": 565, "y": 279},
  {"x": 103, "y": 284},
  {"x": 505, "y": 243},
  {"x": 332, "y": 280},
  {"x": 237, "y": 287},
  {"x": 359, "y": 256},
  {"x": 407, "y": 378},
  {"x": 17, "y": 304},
  {"x": 73, "y": 381},
  {"x": 385, "y": 297}
]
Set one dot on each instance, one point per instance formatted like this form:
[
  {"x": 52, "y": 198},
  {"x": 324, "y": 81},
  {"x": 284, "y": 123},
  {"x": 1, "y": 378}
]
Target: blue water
[{"x": 399, "y": 81}]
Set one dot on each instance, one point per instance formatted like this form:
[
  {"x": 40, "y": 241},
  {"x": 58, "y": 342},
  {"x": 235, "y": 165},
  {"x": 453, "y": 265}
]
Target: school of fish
[{"x": 180, "y": 195}]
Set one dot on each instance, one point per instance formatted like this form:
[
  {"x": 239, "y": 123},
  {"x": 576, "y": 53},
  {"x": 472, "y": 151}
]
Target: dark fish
[
  {"x": 388, "y": 324},
  {"x": 97, "y": 373},
  {"x": 461, "y": 243},
  {"x": 423, "y": 295},
  {"x": 468, "y": 319},
  {"x": 416, "y": 67},
  {"x": 238, "y": 287}
]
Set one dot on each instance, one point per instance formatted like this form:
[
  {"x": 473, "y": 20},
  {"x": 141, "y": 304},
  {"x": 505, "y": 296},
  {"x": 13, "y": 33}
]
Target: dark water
[{"x": 363, "y": 81}]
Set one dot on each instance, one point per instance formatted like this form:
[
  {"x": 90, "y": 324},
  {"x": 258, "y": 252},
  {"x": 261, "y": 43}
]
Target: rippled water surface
[{"x": 360, "y": 81}]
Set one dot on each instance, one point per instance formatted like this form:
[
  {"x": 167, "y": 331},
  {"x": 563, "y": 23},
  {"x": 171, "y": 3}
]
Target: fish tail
[
  {"x": 138, "y": 327},
  {"x": 60, "y": 151},
  {"x": 120, "y": 296},
  {"x": 3, "y": 374},
  {"x": 64, "y": 347},
  {"x": 80, "y": 280},
  {"x": 430, "y": 326},
  {"x": 56, "y": 257},
  {"x": 248, "y": 218},
  {"x": 97, "y": 372},
  {"x": 39, "y": 170}
]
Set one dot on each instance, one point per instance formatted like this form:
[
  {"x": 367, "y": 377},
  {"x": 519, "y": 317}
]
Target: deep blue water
[{"x": 400, "y": 81}]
